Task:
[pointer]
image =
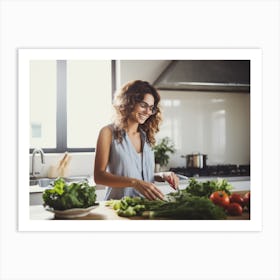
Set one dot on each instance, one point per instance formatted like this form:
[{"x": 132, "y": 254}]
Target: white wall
[{"x": 213, "y": 123}]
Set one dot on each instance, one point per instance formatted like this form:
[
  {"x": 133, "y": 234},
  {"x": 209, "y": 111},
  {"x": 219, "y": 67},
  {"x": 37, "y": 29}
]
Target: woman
[{"x": 124, "y": 160}]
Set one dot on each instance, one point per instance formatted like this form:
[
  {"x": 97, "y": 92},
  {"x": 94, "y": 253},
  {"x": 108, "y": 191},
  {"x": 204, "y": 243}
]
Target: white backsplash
[{"x": 212, "y": 123}]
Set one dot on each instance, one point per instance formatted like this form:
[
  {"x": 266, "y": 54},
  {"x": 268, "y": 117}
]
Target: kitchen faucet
[{"x": 37, "y": 151}]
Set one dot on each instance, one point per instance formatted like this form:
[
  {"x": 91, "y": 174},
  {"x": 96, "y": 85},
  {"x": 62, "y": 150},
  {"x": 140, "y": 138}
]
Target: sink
[
  {"x": 76, "y": 179},
  {"x": 46, "y": 182},
  {"x": 33, "y": 182},
  {"x": 42, "y": 182}
]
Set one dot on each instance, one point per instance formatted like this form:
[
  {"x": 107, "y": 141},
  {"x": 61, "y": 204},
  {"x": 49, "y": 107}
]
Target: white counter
[{"x": 238, "y": 185}]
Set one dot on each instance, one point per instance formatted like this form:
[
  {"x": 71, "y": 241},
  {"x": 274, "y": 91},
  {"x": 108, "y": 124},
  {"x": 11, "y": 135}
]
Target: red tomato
[
  {"x": 246, "y": 199},
  {"x": 236, "y": 198},
  {"x": 220, "y": 198},
  {"x": 234, "y": 209}
]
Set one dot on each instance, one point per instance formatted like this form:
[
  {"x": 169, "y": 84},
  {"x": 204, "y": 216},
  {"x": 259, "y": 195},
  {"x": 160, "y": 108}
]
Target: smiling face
[
  {"x": 143, "y": 110},
  {"x": 133, "y": 105}
]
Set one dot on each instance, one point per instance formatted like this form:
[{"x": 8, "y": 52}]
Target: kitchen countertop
[
  {"x": 229, "y": 179},
  {"x": 102, "y": 212},
  {"x": 239, "y": 183}
]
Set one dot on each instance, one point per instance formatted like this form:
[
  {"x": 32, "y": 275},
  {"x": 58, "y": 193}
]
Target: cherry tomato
[
  {"x": 236, "y": 198},
  {"x": 234, "y": 209},
  {"x": 220, "y": 198}
]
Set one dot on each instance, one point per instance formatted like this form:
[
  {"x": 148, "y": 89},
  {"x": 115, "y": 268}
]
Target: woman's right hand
[{"x": 149, "y": 190}]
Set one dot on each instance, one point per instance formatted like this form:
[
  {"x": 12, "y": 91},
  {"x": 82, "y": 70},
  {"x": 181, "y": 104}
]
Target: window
[
  {"x": 43, "y": 104},
  {"x": 69, "y": 102}
]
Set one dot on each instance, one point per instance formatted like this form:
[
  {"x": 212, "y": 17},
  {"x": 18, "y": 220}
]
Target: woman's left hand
[{"x": 172, "y": 179}]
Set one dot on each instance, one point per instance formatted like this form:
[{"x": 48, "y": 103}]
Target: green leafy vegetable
[
  {"x": 192, "y": 208},
  {"x": 181, "y": 206},
  {"x": 205, "y": 189},
  {"x": 192, "y": 203},
  {"x": 74, "y": 195},
  {"x": 128, "y": 206}
]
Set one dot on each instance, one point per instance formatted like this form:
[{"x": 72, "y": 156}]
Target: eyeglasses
[{"x": 146, "y": 106}]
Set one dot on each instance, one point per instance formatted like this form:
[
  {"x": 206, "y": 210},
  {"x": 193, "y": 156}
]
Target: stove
[{"x": 221, "y": 170}]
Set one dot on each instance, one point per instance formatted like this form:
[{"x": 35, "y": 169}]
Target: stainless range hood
[{"x": 206, "y": 75}]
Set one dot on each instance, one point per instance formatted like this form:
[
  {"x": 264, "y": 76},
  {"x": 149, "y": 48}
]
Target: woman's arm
[
  {"x": 102, "y": 153},
  {"x": 101, "y": 176}
]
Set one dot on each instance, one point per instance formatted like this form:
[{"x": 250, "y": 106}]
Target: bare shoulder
[{"x": 106, "y": 131}]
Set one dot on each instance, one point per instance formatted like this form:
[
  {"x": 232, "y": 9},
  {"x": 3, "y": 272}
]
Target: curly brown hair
[{"x": 124, "y": 103}]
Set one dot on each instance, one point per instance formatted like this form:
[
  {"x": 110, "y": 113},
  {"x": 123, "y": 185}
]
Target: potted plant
[{"x": 162, "y": 151}]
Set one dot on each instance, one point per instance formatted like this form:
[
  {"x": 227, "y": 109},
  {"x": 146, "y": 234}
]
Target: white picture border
[{"x": 255, "y": 222}]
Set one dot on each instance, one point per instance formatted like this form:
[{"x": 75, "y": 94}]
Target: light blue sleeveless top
[{"x": 125, "y": 161}]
